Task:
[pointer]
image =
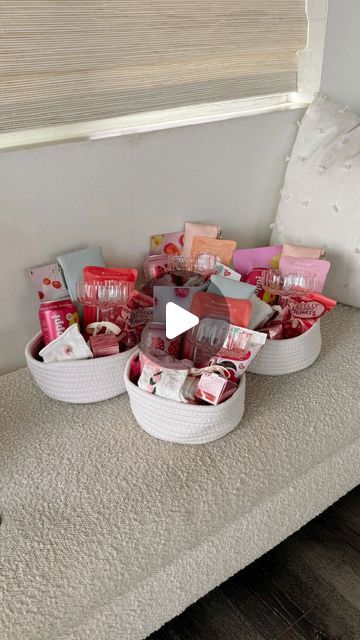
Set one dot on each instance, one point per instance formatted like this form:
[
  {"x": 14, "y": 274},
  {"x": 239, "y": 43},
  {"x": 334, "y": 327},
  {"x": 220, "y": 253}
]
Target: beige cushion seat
[{"x": 107, "y": 532}]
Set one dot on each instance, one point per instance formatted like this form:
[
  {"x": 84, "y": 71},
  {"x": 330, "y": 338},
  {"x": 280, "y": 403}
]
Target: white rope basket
[
  {"x": 184, "y": 423},
  {"x": 79, "y": 381},
  {"x": 279, "y": 357}
]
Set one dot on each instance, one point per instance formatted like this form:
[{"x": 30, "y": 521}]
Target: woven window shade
[{"x": 69, "y": 61}]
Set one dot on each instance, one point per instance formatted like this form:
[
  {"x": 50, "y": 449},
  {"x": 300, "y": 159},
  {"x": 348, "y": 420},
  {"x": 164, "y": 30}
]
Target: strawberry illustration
[
  {"x": 158, "y": 343},
  {"x": 159, "y": 271},
  {"x": 227, "y": 272},
  {"x": 174, "y": 348}
]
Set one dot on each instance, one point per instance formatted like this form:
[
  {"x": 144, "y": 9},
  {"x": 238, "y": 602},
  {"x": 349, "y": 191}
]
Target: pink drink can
[{"x": 55, "y": 317}]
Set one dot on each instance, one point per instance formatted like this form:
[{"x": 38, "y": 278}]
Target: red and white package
[
  {"x": 310, "y": 307},
  {"x": 48, "y": 282},
  {"x": 136, "y": 314},
  {"x": 214, "y": 389}
]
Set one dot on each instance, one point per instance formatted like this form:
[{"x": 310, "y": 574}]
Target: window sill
[{"x": 152, "y": 121}]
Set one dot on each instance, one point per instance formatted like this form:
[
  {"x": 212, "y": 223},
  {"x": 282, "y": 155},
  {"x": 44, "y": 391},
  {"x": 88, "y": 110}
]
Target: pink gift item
[
  {"x": 298, "y": 251},
  {"x": 274, "y": 330},
  {"x": 193, "y": 229},
  {"x": 214, "y": 389},
  {"x": 295, "y": 327},
  {"x": 307, "y": 267},
  {"x": 164, "y": 377},
  {"x": 246, "y": 260},
  {"x": 310, "y": 307},
  {"x": 153, "y": 340},
  {"x": 48, "y": 282},
  {"x": 70, "y": 345},
  {"x": 238, "y": 353},
  {"x": 101, "y": 275},
  {"x": 104, "y": 345},
  {"x": 135, "y": 315},
  {"x": 168, "y": 243},
  {"x": 155, "y": 266},
  {"x": 55, "y": 317}
]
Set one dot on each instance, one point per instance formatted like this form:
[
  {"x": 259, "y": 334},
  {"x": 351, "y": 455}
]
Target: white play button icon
[{"x": 178, "y": 320}]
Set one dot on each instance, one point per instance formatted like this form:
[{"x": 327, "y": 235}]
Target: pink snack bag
[
  {"x": 311, "y": 266},
  {"x": 245, "y": 260}
]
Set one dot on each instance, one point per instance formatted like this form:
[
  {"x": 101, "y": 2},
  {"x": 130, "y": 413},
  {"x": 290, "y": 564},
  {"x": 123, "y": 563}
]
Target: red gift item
[
  {"x": 104, "y": 345},
  {"x": 93, "y": 275},
  {"x": 309, "y": 307},
  {"x": 214, "y": 389}
]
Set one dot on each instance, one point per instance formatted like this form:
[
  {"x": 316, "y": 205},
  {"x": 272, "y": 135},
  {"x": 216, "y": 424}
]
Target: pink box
[{"x": 104, "y": 345}]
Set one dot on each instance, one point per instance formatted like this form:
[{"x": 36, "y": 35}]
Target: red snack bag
[
  {"x": 136, "y": 314},
  {"x": 296, "y": 327},
  {"x": 311, "y": 306},
  {"x": 102, "y": 274}
]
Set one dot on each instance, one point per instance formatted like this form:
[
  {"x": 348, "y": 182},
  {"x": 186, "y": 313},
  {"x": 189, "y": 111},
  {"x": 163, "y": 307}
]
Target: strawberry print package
[
  {"x": 311, "y": 266},
  {"x": 245, "y": 260},
  {"x": 171, "y": 244},
  {"x": 48, "y": 282}
]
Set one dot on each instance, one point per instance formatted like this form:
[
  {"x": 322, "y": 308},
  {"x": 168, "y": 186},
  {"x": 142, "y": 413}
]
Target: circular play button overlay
[{"x": 190, "y": 324}]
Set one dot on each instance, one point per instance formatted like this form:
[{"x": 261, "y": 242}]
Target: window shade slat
[{"x": 64, "y": 61}]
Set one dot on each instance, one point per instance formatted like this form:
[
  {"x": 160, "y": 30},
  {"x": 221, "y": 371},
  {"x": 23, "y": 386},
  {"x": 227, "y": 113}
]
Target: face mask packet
[
  {"x": 223, "y": 249},
  {"x": 310, "y": 266},
  {"x": 193, "y": 229},
  {"x": 246, "y": 260}
]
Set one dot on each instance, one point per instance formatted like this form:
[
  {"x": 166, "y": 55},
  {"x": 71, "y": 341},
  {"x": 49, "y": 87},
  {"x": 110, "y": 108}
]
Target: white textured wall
[{"x": 116, "y": 192}]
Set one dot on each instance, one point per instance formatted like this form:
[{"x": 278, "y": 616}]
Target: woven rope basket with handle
[{"x": 80, "y": 381}]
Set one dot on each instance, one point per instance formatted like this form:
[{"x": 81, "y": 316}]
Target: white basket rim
[
  {"x": 198, "y": 409},
  {"x": 90, "y": 362}
]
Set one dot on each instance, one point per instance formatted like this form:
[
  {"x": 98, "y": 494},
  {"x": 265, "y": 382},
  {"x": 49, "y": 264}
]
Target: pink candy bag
[
  {"x": 245, "y": 260},
  {"x": 311, "y": 266}
]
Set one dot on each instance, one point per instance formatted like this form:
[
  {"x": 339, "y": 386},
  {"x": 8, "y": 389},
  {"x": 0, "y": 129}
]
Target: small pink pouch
[
  {"x": 319, "y": 268},
  {"x": 245, "y": 260},
  {"x": 193, "y": 229},
  {"x": 298, "y": 251}
]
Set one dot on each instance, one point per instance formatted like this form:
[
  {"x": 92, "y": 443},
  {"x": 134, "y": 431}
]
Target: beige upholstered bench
[{"x": 107, "y": 533}]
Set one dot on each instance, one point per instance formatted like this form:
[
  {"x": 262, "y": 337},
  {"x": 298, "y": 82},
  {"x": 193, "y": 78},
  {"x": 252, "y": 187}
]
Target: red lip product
[{"x": 55, "y": 317}]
